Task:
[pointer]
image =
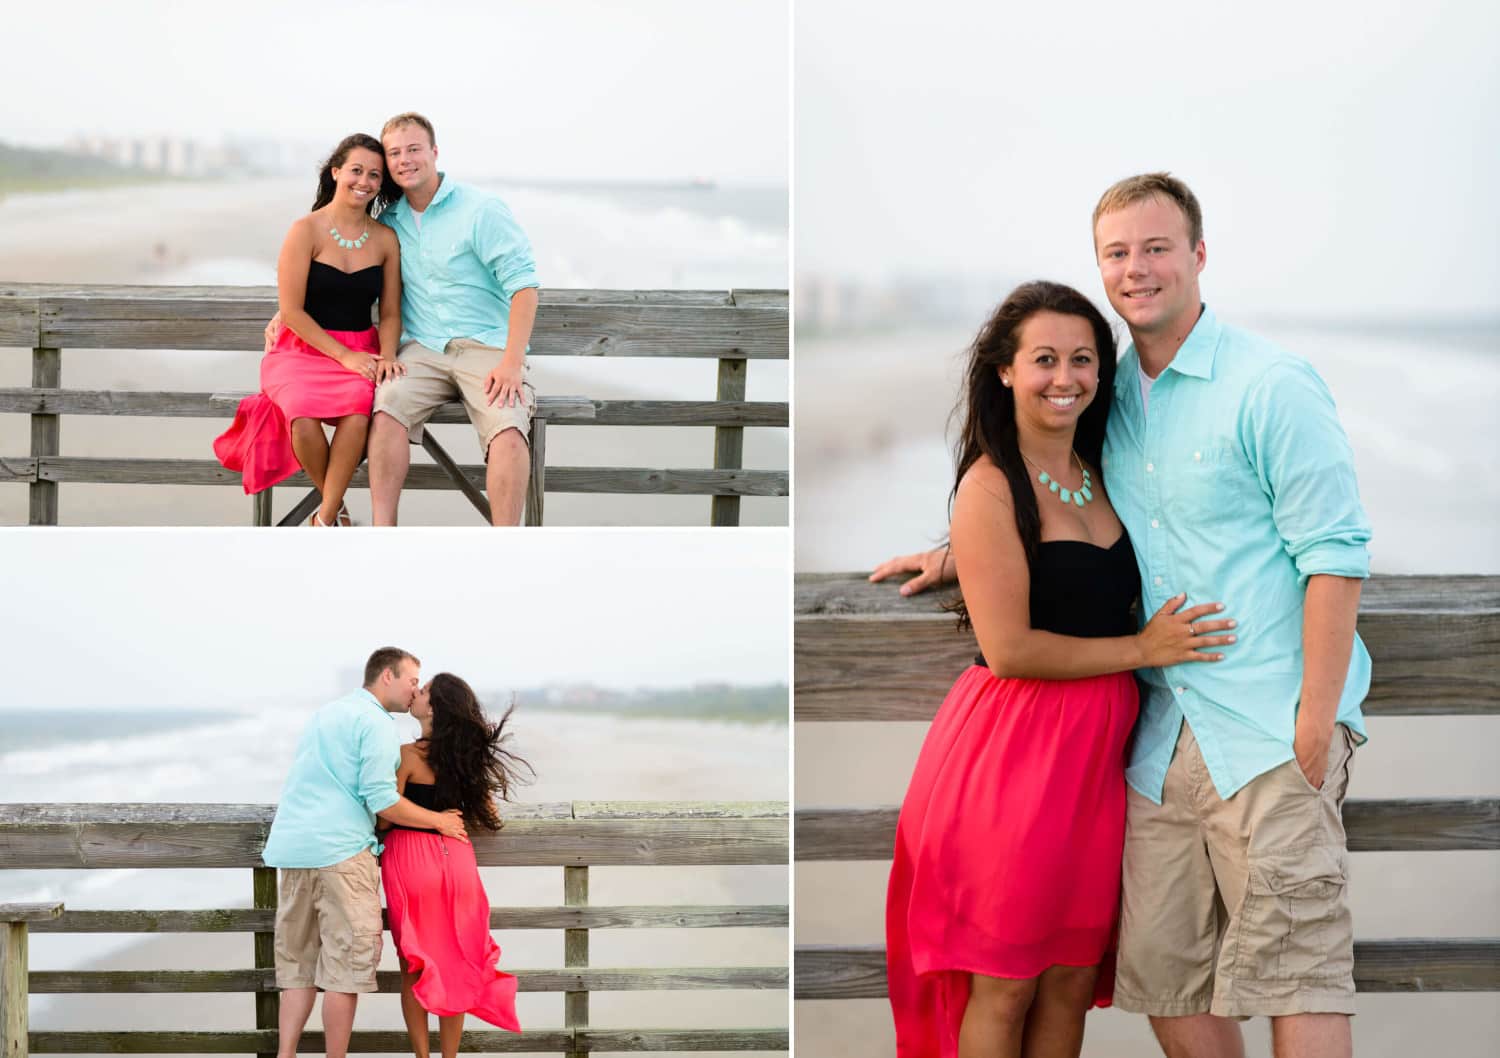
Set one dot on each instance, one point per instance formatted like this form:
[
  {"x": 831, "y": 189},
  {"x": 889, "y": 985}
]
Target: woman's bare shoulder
[{"x": 985, "y": 483}]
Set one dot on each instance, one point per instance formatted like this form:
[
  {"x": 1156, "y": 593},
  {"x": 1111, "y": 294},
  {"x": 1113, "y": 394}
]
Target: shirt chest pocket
[{"x": 1214, "y": 484}]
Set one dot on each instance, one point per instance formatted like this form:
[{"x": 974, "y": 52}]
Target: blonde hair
[
  {"x": 410, "y": 118},
  {"x": 1135, "y": 189}
]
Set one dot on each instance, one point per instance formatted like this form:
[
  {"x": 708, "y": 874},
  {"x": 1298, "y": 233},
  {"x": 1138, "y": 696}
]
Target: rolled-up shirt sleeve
[
  {"x": 1291, "y": 431},
  {"x": 379, "y": 757},
  {"x": 503, "y": 247}
]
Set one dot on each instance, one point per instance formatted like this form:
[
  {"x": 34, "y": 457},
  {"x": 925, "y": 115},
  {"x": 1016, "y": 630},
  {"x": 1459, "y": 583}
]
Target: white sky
[
  {"x": 652, "y": 89},
  {"x": 238, "y": 618},
  {"x": 1345, "y": 153}
]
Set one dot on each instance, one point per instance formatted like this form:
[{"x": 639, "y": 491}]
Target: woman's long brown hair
[
  {"x": 469, "y": 755},
  {"x": 986, "y": 410}
]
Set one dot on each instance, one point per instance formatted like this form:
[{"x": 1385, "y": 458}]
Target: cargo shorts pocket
[{"x": 1294, "y": 923}]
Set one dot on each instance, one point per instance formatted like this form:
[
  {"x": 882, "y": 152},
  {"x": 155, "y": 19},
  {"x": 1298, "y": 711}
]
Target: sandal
[{"x": 344, "y": 518}]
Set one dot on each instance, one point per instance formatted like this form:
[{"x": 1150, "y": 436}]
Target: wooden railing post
[
  {"x": 14, "y": 990},
  {"x": 576, "y": 951},
  {"x": 729, "y": 441},
  {"x": 46, "y": 373},
  {"x": 260, "y": 508},
  {"x": 267, "y": 1004},
  {"x": 536, "y": 485}
]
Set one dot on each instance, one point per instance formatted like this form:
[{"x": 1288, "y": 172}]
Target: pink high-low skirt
[
  {"x": 1008, "y": 848},
  {"x": 296, "y": 381},
  {"x": 440, "y": 921}
]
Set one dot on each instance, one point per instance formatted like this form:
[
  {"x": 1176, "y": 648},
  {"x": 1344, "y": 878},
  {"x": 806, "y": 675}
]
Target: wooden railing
[
  {"x": 731, "y": 327},
  {"x": 865, "y": 653},
  {"x": 574, "y": 836}
]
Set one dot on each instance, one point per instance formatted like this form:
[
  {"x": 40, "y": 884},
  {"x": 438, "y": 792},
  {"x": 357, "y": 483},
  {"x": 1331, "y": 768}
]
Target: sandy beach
[{"x": 230, "y": 234}]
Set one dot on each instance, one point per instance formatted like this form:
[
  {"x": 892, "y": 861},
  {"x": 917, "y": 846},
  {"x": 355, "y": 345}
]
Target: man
[
  {"x": 328, "y": 931},
  {"x": 1226, "y": 462},
  {"x": 468, "y": 304}
]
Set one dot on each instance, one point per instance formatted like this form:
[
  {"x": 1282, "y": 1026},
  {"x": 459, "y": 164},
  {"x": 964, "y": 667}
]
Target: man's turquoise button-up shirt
[
  {"x": 460, "y": 267},
  {"x": 342, "y": 775},
  {"x": 1236, "y": 486}
]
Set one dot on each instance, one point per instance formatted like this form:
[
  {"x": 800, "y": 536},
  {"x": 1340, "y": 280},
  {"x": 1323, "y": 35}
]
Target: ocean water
[
  {"x": 874, "y": 466},
  {"x": 242, "y": 757}
]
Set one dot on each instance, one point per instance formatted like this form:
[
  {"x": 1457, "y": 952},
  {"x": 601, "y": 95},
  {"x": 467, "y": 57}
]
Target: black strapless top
[
  {"x": 1078, "y": 589},
  {"x": 423, "y": 795},
  {"x": 339, "y": 300}
]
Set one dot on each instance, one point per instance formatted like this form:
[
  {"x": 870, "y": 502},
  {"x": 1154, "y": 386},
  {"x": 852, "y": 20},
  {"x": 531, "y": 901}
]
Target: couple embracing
[
  {"x": 456, "y": 284},
  {"x": 1073, "y": 837},
  {"x": 349, "y": 777}
]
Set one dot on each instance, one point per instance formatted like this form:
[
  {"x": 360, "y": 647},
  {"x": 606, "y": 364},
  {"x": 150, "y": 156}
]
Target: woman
[
  {"x": 334, "y": 264},
  {"x": 1005, "y": 884},
  {"x": 439, "y": 913}
]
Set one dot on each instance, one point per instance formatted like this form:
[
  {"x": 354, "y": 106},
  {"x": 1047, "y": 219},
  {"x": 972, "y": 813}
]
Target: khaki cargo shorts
[
  {"x": 1237, "y": 907},
  {"x": 328, "y": 929},
  {"x": 458, "y": 373}
]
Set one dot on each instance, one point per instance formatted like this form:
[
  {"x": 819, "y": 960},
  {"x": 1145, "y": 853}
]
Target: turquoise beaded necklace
[
  {"x": 348, "y": 244},
  {"x": 1077, "y": 497}
]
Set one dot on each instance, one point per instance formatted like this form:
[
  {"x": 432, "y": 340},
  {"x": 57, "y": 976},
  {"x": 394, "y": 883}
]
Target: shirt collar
[
  {"x": 1195, "y": 357},
  {"x": 402, "y": 208},
  {"x": 364, "y": 694}
]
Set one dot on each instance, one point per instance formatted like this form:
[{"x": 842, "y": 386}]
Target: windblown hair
[
  {"x": 986, "y": 410},
  {"x": 385, "y": 658},
  {"x": 1135, "y": 189},
  {"x": 469, "y": 756},
  {"x": 389, "y": 191}
]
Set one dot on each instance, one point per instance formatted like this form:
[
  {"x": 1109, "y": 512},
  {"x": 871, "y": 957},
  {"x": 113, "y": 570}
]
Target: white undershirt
[
  {"x": 1146, "y": 383},
  {"x": 416, "y": 215}
]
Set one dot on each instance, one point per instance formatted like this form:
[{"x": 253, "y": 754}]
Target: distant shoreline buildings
[{"x": 185, "y": 157}]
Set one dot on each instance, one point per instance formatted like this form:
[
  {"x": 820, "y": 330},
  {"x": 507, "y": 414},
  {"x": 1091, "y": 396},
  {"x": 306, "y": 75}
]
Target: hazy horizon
[{"x": 576, "y": 90}]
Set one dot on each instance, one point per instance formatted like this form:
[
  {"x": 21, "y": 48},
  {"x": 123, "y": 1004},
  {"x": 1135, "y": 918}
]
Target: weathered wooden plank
[
  {"x": 729, "y": 441},
  {"x": 14, "y": 294},
  {"x": 248, "y": 920},
  {"x": 253, "y": 1042},
  {"x": 17, "y": 469},
  {"x": 579, "y": 329},
  {"x": 30, "y": 913},
  {"x": 865, "y": 653},
  {"x": 480, "y": 1041},
  {"x": 14, "y": 990},
  {"x": 267, "y": 1003},
  {"x": 576, "y": 952},
  {"x": 1418, "y": 825},
  {"x": 193, "y": 812},
  {"x": 573, "y": 980},
  {"x": 1408, "y": 965},
  {"x": 185, "y": 840},
  {"x": 535, "y": 508},
  {"x": 679, "y": 810},
  {"x": 46, "y": 372},
  {"x": 634, "y": 480},
  {"x": 684, "y": 1040},
  {"x": 560, "y": 411}
]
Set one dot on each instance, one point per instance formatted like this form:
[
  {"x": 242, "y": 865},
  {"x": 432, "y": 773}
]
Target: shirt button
[
  {"x": 1197, "y": 457},
  {"x": 1182, "y": 690},
  {"x": 1150, "y": 467},
  {"x": 1155, "y": 524},
  {"x": 1157, "y": 581}
]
